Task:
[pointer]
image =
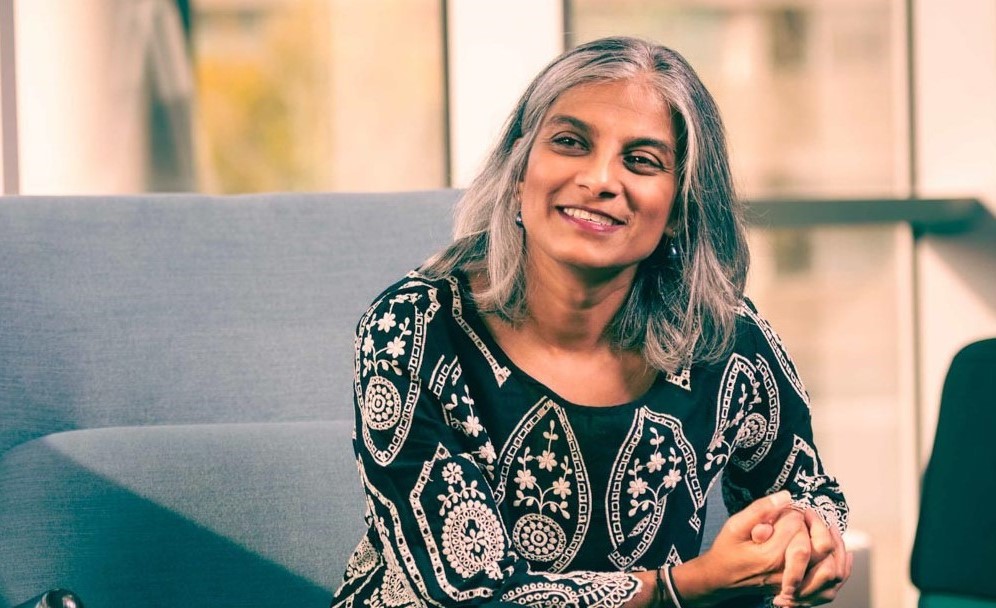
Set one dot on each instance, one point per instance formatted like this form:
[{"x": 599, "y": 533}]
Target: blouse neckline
[{"x": 473, "y": 316}]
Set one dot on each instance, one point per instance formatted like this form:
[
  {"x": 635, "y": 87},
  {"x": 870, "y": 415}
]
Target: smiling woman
[
  {"x": 597, "y": 191},
  {"x": 543, "y": 407}
]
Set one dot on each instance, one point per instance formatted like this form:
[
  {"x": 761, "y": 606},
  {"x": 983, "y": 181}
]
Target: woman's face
[{"x": 600, "y": 181}]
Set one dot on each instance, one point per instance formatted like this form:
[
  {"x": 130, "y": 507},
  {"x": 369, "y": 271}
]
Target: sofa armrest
[{"x": 196, "y": 516}]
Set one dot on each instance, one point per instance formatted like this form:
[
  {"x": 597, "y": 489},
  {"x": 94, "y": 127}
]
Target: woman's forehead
[{"x": 629, "y": 102}]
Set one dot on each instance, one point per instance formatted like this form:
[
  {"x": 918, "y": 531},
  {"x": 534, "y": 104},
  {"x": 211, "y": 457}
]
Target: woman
[{"x": 543, "y": 407}]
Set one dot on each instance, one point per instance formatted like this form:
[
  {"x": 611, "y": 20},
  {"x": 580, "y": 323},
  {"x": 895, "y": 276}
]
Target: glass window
[
  {"x": 230, "y": 96},
  {"x": 808, "y": 90},
  {"x": 320, "y": 94}
]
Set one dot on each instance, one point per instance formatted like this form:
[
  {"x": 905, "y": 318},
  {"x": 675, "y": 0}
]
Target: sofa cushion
[
  {"x": 200, "y": 515},
  {"x": 185, "y": 309}
]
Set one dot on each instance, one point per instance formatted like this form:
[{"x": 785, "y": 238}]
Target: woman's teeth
[{"x": 588, "y": 216}]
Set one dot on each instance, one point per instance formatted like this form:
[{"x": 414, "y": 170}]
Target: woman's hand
[
  {"x": 736, "y": 564},
  {"x": 828, "y": 568}
]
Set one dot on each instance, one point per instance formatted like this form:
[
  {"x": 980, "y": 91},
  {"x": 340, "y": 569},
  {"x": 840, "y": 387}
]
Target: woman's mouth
[{"x": 590, "y": 216}]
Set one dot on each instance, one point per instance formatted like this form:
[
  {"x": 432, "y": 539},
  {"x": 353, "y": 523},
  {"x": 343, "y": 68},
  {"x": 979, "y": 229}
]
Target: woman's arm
[{"x": 773, "y": 451}]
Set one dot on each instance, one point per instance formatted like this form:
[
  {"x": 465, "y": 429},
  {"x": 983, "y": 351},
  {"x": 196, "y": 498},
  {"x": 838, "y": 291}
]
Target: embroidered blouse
[{"x": 484, "y": 485}]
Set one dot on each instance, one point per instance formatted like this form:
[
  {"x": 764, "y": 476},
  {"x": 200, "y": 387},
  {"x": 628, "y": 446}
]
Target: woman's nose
[{"x": 598, "y": 176}]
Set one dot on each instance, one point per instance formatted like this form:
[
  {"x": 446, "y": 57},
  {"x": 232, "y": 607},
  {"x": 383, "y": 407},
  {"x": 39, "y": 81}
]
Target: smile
[{"x": 590, "y": 216}]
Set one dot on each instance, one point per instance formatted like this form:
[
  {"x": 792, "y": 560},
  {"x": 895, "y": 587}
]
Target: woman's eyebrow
[
  {"x": 564, "y": 119},
  {"x": 651, "y": 142}
]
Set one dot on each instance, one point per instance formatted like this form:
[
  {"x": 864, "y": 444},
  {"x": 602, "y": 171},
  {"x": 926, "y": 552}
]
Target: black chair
[{"x": 954, "y": 554}]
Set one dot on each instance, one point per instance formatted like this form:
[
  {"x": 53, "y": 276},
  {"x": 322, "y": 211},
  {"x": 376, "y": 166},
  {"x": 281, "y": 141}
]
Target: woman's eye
[
  {"x": 567, "y": 141},
  {"x": 643, "y": 162}
]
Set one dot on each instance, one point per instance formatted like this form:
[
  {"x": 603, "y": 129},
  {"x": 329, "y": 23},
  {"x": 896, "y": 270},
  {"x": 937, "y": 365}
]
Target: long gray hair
[{"x": 681, "y": 309}]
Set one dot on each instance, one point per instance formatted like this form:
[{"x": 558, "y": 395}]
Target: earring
[
  {"x": 518, "y": 219},
  {"x": 672, "y": 252}
]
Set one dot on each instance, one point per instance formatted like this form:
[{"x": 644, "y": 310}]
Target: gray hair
[{"x": 681, "y": 309}]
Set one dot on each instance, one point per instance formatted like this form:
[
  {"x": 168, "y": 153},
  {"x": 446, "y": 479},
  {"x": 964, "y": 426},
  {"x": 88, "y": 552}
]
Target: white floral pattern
[
  {"x": 738, "y": 394},
  {"x": 549, "y": 491},
  {"x": 655, "y": 459},
  {"x": 471, "y": 538},
  {"x": 598, "y": 590},
  {"x": 759, "y": 429},
  {"x": 388, "y": 352},
  {"x": 364, "y": 559},
  {"x": 803, "y": 470}
]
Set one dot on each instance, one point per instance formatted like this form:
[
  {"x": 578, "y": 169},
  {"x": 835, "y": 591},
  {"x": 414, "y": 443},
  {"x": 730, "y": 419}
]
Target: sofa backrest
[{"x": 185, "y": 309}]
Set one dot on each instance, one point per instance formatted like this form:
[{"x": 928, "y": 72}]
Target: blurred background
[{"x": 824, "y": 100}]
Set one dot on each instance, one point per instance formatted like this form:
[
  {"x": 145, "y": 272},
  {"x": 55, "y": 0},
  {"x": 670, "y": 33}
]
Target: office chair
[{"x": 954, "y": 554}]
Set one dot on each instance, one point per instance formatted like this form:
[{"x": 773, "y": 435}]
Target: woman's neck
[
  {"x": 563, "y": 337},
  {"x": 570, "y": 310}
]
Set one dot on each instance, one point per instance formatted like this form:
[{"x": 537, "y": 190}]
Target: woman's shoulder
[
  {"x": 418, "y": 289},
  {"x": 415, "y": 296},
  {"x": 758, "y": 341},
  {"x": 750, "y": 322},
  {"x": 754, "y": 333}
]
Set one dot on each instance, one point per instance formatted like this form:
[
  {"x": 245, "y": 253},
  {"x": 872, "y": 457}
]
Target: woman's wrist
[
  {"x": 693, "y": 585},
  {"x": 661, "y": 588},
  {"x": 667, "y": 591}
]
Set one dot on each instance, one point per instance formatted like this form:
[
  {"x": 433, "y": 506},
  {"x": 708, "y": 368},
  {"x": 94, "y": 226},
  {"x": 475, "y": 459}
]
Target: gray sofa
[{"x": 175, "y": 390}]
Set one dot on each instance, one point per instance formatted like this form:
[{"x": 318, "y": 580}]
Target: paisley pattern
[
  {"x": 655, "y": 460},
  {"x": 471, "y": 540},
  {"x": 483, "y": 485},
  {"x": 759, "y": 429},
  {"x": 389, "y": 348},
  {"x": 548, "y": 489}
]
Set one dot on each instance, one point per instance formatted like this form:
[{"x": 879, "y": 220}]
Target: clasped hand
[{"x": 780, "y": 550}]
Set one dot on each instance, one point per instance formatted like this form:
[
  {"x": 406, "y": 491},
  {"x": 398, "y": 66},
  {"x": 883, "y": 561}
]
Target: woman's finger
[
  {"x": 797, "y": 555},
  {"x": 820, "y": 578},
  {"x": 762, "y": 510},
  {"x": 760, "y": 533},
  {"x": 820, "y": 535}
]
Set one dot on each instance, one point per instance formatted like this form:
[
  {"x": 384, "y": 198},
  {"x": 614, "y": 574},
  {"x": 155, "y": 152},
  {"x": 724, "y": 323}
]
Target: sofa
[{"x": 176, "y": 390}]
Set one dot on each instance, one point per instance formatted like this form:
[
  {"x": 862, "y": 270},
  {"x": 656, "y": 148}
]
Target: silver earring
[
  {"x": 672, "y": 252},
  {"x": 518, "y": 219}
]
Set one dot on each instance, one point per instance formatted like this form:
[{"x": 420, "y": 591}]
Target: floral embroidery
[
  {"x": 739, "y": 383},
  {"x": 470, "y": 529},
  {"x": 638, "y": 486},
  {"x": 383, "y": 404},
  {"x": 654, "y": 460},
  {"x": 594, "y": 589},
  {"x": 527, "y": 481},
  {"x": 550, "y": 495},
  {"x": 363, "y": 560},
  {"x": 538, "y": 537},
  {"x": 499, "y": 511},
  {"x": 759, "y": 429},
  {"x": 390, "y": 344},
  {"x": 472, "y": 539}
]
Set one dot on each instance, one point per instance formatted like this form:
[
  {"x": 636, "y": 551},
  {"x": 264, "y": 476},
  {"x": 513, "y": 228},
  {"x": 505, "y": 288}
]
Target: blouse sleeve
[
  {"x": 774, "y": 447},
  {"x": 426, "y": 462}
]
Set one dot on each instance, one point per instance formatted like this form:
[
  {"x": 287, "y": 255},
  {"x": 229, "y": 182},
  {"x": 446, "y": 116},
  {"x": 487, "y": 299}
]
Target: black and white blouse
[{"x": 484, "y": 485}]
